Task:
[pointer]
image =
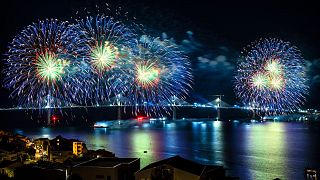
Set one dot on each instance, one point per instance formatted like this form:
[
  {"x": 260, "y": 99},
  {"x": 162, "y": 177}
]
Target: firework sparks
[
  {"x": 42, "y": 62},
  {"x": 147, "y": 75},
  {"x": 107, "y": 41},
  {"x": 49, "y": 68},
  {"x": 104, "y": 57},
  {"x": 159, "y": 71},
  {"x": 271, "y": 77}
]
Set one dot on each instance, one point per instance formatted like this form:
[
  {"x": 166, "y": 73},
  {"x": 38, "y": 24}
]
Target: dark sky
[{"x": 217, "y": 32}]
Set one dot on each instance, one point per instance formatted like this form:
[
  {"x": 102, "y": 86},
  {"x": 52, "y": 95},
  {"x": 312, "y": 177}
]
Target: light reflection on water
[
  {"x": 266, "y": 145},
  {"x": 251, "y": 151},
  {"x": 143, "y": 146}
]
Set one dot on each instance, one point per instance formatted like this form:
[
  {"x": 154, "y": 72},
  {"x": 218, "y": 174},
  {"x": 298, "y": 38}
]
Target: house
[
  {"x": 110, "y": 168},
  {"x": 61, "y": 149},
  {"x": 8, "y": 155},
  {"x": 22, "y": 141},
  {"x": 42, "y": 146},
  {"x": 99, "y": 153},
  {"x": 8, "y": 168},
  {"x": 42, "y": 170},
  {"x": 178, "y": 168}
]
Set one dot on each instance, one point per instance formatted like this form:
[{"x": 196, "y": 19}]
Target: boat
[{"x": 102, "y": 124}]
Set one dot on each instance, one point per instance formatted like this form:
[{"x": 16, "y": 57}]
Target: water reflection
[
  {"x": 218, "y": 143},
  {"x": 266, "y": 146},
  {"x": 208, "y": 142},
  {"x": 142, "y": 146},
  {"x": 251, "y": 151},
  {"x": 99, "y": 139}
]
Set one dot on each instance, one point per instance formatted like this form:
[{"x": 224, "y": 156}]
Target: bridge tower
[
  {"x": 174, "y": 108},
  {"x": 48, "y": 116},
  {"x": 48, "y": 110},
  {"x": 174, "y": 113},
  {"x": 119, "y": 106},
  {"x": 253, "y": 114},
  {"x": 218, "y": 101}
]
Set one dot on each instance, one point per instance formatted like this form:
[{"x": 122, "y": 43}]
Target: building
[
  {"x": 107, "y": 168},
  {"x": 42, "y": 170},
  {"x": 8, "y": 155},
  {"x": 99, "y": 153},
  {"x": 178, "y": 168},
  {"x": 12, "y": 143},
  {"x": 62, "y": 149},
  {"x": 78, "y": 148},
  {"x": 23, "y": 141},
  {"x": 42, "y": 147},
  {"x": 8, "y": 168}
]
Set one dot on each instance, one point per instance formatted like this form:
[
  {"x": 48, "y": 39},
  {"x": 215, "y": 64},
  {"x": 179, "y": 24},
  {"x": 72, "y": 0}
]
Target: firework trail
[{"x": 271, "y": 77}]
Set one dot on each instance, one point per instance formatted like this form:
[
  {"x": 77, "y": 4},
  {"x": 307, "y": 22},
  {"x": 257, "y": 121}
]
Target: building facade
[{"x": 78, "y": 148}]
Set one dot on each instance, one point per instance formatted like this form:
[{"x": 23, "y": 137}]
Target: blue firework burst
[
  {"x": 107, "y": 42},
  {"x": 158, "y": 72},
  {"x": 41, "y": 65},
  {"x": 271, "y": 77}
]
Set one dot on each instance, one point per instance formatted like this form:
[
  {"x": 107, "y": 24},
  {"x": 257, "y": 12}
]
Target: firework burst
[
  {"x": 41, "y": 66},
  {"x": 53, "y": 63},
  {"x": 107, "y": 41},
  {"x": 159, "y": 71},
  {"x": 271, "y": 77}
]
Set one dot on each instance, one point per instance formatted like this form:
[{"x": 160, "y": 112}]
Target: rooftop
[
  {"x": 6, "y": 163},
  {"x": 183, "y": 164},
  {"x": 11, "y": 164},
  {"x": 107, "y": 162}
]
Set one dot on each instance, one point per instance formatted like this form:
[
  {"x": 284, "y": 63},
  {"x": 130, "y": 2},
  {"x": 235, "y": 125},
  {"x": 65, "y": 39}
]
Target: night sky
[{"x": 212, "y": 33}]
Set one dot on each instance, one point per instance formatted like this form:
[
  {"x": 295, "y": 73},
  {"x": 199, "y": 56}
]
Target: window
[{"x": 99, "y": 176}]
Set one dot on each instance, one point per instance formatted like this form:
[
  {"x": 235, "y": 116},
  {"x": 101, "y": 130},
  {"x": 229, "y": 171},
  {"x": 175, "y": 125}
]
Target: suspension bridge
[{"x": 121, "y": 102}]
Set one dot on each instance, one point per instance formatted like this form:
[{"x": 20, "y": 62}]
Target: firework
[
  {"x": 271, "y": 77},
  {"x": 107, "y": 41},
  {"x": 159, "y": 71},
  {"x": 53, "y": 64},
  {"x": 42, "y": 67}
]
